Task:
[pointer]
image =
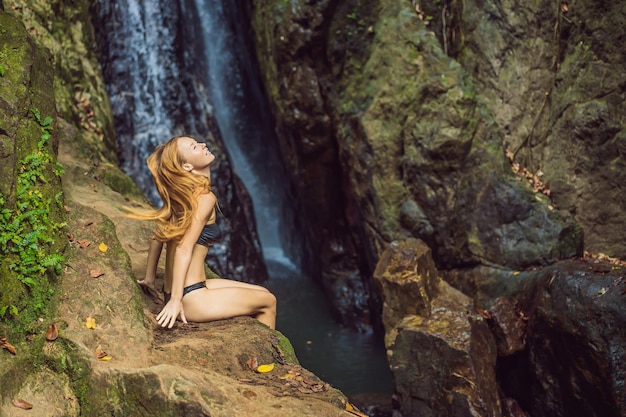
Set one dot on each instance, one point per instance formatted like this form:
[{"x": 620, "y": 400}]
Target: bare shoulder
[{"x": 206, "y": 204}]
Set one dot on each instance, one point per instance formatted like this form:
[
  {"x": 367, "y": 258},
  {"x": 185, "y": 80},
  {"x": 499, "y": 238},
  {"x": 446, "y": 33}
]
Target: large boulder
[
  {"x": 441, "y": 352},
  {"x": 561, "y": 348}
]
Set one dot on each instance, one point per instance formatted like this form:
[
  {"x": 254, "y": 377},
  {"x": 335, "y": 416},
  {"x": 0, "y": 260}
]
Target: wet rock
[
  {"x": 441, "y": 352},
  {"x": 575, "y": 348},
  {"x": 408, "y": 280},
  {"x": 507, "y": 326},
  {"x": 510, "y": 408}
]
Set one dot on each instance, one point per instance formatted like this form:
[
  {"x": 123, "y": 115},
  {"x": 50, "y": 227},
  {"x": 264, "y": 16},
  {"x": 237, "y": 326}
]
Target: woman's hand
[
  {"x": 148, "y": 287},
  {"x": 167, "y": 316}
]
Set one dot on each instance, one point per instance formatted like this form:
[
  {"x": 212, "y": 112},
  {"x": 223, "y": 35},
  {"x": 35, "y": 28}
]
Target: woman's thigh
[
  {"x": 215, "y": 283},
  {"x": 222, "y": 303}
]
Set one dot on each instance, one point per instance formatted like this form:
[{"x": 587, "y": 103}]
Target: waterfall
[
  {"x": 245, "y": 123},
  {"x": 138, "y": 99}
]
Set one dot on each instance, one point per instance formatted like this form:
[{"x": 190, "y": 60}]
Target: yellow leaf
[
  {"x": 90, "y": 323},
  {"x": 265, "y": 368},
  {"x": 103, "y": 248},
  {"x": 105, "y": 358},
  {"x": 352, "y": 410},
  {"x": 516, "y": 273}
]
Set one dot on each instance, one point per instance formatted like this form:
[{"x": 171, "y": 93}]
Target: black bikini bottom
[{"x": 186, "y": 290}]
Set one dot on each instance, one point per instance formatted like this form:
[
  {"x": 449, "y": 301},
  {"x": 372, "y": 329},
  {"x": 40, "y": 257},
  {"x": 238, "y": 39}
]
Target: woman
[{"x": 186, "y": 222}]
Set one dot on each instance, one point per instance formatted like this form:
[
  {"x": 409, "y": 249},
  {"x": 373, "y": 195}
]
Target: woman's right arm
[{"x": 182, "y": 260}]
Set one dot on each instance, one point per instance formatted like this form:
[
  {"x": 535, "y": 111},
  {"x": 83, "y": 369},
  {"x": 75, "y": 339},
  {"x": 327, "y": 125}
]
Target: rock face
[
  {"x": 564, "y": 352},
  {"x": 441, "y": 352},
  {"x": 424, "y": 114},
  {"x": 26, "y": 99},
  {"x": 408, "y": 133},
  {"x": 553, "y": 77},
  {"x": 575, "y": 352}
]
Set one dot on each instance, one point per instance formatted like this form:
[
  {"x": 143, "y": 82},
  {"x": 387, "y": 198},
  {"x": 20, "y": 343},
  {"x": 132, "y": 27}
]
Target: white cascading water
[
  {"x": 246, "y": 129},
  {"x": 143, "y": 59}
]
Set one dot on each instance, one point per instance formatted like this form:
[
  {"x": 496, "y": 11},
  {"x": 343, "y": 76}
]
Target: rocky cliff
[
  {"x": 494, "y": 133},
  {"x": 94, "y": 348},
  {"x": 420, "y": 118}
]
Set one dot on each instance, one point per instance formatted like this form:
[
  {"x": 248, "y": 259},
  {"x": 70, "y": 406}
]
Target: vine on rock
[{"x": 27, "y": 233}]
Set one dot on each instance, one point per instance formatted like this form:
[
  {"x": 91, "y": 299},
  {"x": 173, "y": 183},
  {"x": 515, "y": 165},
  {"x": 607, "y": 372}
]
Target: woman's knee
[{"x": 271, "y": 300}]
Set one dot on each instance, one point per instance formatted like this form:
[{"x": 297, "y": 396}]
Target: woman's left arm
[{"x": 182, "y": 260}]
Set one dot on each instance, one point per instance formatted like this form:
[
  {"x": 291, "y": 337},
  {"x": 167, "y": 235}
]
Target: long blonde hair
[{"x": 179, "y": 189}]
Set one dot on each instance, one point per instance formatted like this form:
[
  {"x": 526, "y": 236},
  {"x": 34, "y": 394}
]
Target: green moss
[
  {"x": 64, "y": 357},
  {"x": 122, "y": 183},
  {"x": 286, "y": 348}
]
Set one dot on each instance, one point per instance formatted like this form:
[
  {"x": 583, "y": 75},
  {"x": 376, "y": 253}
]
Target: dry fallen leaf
[
  {"x": 52, "y": 333},
  {"x": 102, "y": 355},
  {"x": 95, "y": 273},
  {"x": 304, "y": 390},
  {"x": 253, "y": 363},
  {"x": 90, "y": 323},
  {"x": 265, "y": 368},
  {"x": 19, "y": 403},
  {"x": 484, "y": 313},
  {"x": 83, "y": 243},
  {"x": 8, "y": 346},
  {"x": 202, "y": 362}
]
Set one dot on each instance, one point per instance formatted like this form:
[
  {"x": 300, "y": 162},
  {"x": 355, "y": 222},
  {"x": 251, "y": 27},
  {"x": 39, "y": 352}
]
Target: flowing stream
[{"x": 351, "y": 361}]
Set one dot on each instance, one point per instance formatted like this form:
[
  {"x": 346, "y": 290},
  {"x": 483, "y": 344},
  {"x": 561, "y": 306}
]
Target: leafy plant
[
  {"x": 2, "y": 70},
  {"x": 27, "y": 231}
]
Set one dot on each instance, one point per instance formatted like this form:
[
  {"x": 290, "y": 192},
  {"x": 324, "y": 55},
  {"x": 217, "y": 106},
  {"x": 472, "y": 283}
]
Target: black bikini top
[{"x": 210, "y": 232}]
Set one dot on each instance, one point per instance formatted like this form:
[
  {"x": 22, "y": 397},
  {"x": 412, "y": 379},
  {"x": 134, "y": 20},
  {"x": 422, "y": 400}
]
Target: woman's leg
[
  {"x": 214, "y": 283},
  {"x": 226, "y": 302}
]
